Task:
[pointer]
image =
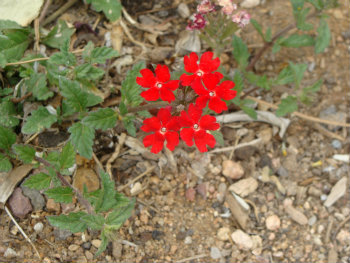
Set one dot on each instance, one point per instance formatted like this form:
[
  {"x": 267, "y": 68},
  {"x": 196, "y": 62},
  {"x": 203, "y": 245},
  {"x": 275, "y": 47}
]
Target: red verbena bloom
[
  {"x": 197, "y": 127},
  {"x": 159, "y": 85},
  {"x": 207, "y": 65},
  {"x": 214, "y": 93},
  {"x": 165, "y": 127}
]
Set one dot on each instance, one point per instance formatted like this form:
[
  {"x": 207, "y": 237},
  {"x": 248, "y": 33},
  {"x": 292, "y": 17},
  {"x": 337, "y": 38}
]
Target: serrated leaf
[
  {"x": 260, "y": 81},
  {"x": 8, "y": 114},
  {"x": 284, "y": 77},
  {"x": 5, "y": 91},
  {"x": 318, "y": 4},
  {"x": 129, "y": 125},
  {"x": 64, "y": 57},
  {"x": 67, "y": 156},
  {"x": 13, "y": 44},
  {"x": 104, "y": 243},
  {"x": 5, "y": 164},
  {"x": 60, "y": 194},
  {"x": 300, "y": 16},
  {"x": 75, "y": 96},
  {"x": 37, "y": 84},
  {"x": 106, "y": 201},
  {"x": 25, "y": 153},
  {"x": 323, "y": 37},
  {"x": 38, "y": 181},
  {"x": 111, "y": 9},
  {"x": 9, "y": 24},
  {"x": 70, "y": 222},
  {"x": 7, "y": 138},
  {"x": 287, "y": 105},
  {"x": 3, "y": 60},
  {"x": 104, "y": 118},
  {"x": 95, "y": 222},
  {"x": 118, "y": 216},
  {"x": 298, "y": 72},
  {"x": 257, "y": 27},
  {"x": 38, "y": 121},
  {"x": 240, "y": 52},
  {"x": 101, "y": 54},
  {"x": 276, "y": 47},
  {"x": 305, "y": 96},
  {"x": 297, "y": 40},
  {"x": 238, "y": 80},
  {"x": 82, "y": 137},
  {"x": 218, "y": 137},
  {"x": 130, "y": 89},
  {"x": 89, "y": 72},
  {"x": 60, "y": 34},
  {"x": 87, "y": 51},
  {"x": 268, "y": 35},
  {"x": 249, "y": 111},
  {"x": 143, "y": 113},
  {"x": 122, "y": 108}
]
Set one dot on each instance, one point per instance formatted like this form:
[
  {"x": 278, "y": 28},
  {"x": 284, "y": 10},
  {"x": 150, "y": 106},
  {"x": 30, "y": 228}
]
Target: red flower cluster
[{"x": 193, "y": 127}]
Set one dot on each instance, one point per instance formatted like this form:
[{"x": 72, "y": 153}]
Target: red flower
[
  {"x": 198, "y": 127},
  {"x": 206, "y": 67},
  {"x": 165, "y": 127},
  {"x": 159, "y": 85},
  {"x": 214, "y": 93}
]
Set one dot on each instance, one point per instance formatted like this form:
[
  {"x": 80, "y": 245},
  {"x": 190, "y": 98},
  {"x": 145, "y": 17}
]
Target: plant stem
[
  {"x": 267, "y": 45},
  {"x": 149, "y": 106},
  {"x": 80, "y": 197}
]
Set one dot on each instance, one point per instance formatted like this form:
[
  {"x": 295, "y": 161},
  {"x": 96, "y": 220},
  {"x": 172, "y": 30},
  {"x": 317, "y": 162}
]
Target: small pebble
[
  {"x": 73, "y": 247},
  {"x": 183, "y": 10},
  {"x": 188, "y": 240},
  {"x": 38, "y": 227},
  {"x": 336, "y": 144},
  {"x": 215, "y": 253},
  {"x": 10, "y": 253},
  {"x": 242, "y": 240},
  {"x": 323, "y": 197},
  {"x": 312, "y": 220},
  {"x": 223, "y": 233},
  {"x": 87, "y": 245},
  {"x": 232, "y": 169},
  {"x": 96, "y": 243},
  {"x": 273, "y": 222},
  {"x": 136, "y": 188}
]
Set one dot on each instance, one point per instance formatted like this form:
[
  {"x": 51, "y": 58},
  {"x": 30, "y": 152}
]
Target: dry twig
[
  {"x": 191, "y": 258},
  {"x": 121, "y": 188},
  {"x": 115, "y": 155}
]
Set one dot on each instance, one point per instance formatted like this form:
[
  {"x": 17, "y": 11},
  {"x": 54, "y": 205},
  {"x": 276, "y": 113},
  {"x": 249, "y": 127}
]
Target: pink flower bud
[
  {"x": 242, "y": 18},
  {"x": 205, "y": 7}
]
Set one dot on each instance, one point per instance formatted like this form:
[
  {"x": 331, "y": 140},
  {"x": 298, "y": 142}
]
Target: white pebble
[{"x": 38, "y": 227}]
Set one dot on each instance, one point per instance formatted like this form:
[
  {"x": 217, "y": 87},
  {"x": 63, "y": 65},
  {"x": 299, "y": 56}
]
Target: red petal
[
  {"x": 148, "y": 140},
  {"x": 198, "y": 87},
  {"x": 151, "y": 124},
  {"x": 151, "y": 94},
  {"x": 158, "y": 143},
  {"x": 201, "y": 101},
  {"x": 219, "y": 75},
  {"x": 194, "y": 112},
  {"x": 190, "y": 62},
  {"x": 166, "y": 95},
  {"x": 172, "y": 139},
  {"x": 164, "y": 116},
  {"x": 208, "y": 122},
  {"x": 162, "y": 73},
  {"x": 174, "y": 124},
  {"x": 147, "y": 80},
  {"x": 186, "y": 80},
  {"x": 210, "y": 140},
  {"x": 185, "y": 120},
  {"x": 210, "y": 81},
  {"x": 186, "y": 135},
  {"x": 217, "y": 105},
  {"x": 207, "y": 64},
  {"x": 171, "y": 85},
  {"x": 199, "y": 139},
  {"x": 224, "y": 90}
]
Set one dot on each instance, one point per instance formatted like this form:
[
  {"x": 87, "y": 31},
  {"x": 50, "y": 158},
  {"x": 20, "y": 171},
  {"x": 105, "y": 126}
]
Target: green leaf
[
  {"x": 60, "y": 194},
  {"x": 118, "y": 216},
  {"x": 64, "y": 57},
  {"x": 284, "y": 77},
  {"x": 130, "y": 89},
  {"x": 8, "y": 114},
  {"x": 143, "y": 113},
  {"x": 111, "y": 9},
  {"x": 38, "y": 181},
  {"x": 257, "y": 27},
  {"x": 38, "y": 121},
  {"x": 305, "y": 96},
  {"x": 67, "y": 156},
  {"x": 122, "y": 108},
  {"x": 240, "y": 52},
  {"x": 260, "y": 81},
  {"x": 7, "y": 138},
  {"x": 95, "y": 222},
  {"x": 25, "y": 153},
  {"x": 287, "y": 105},
  {"x": 5, "y": 91},
  {"x": 249, "y": 111},
  {"x": 298, "y": 72},
  {"x": 323, "y": 37},
  {"x": 129, "y": 125},
  {"x": 82, "y": 137},
  {"x": 76, "y": 97},
  {"x": 300, "y": 17},
  {"x": 5, "y": 164},
  {"x": 3, "y": 60},
  {"x": 218, "y": 137},
  {"x": 9, "y": 24},
  {"x": 296, "y": 40},
  {"x": 89, "y": 72},
  {"x": 92, "y": 99},
  {"x": 104, "y": 118},
  {"x": 268, "y": 35},
  {"x": 276, "y": 47},
  {"x": 37, "y": 84},
  {"x": 104, "y": 243},
  {"x": 318, "y": 4},
  {"x": 60, "y": 34},
  {"x": 101, "y": 54},
  {"x": 70, "y": 222},
  {"x": 13, "y": 44},
  {"x": 239, "y": 81},
  {"x": 106, "y": 201}
]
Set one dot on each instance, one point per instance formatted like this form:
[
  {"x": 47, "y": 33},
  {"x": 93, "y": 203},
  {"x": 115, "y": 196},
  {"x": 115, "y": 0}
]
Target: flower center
[
  {"x": 212, "y": 93},
  {"x": 199, "y": 73},
  {"x": 163, "y": 129},
  {"x": 195, "y": 126},
  {"x": 159, "y": 85}
]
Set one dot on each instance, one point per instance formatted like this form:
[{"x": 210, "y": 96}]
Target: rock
[
  {"x": 224, "y": 233},
  {"x": 38, "y": 227},
  {"x": 88, "y": 177},
  {"x": 89, "y": 255},
  {"x": 67, "y": 208},
  {"x": 250, "y": 3},
  {"x": 61, "y": 234},
  {"x": 36, "y": 199},
  {"x": 244, "y": 187},
  {"x": 257, "y": 245},
  {"x": 117, "y": 249},
  {"x": 332, "y": 256},
  {"x": 188, "y": 240},
  {"x": 202, "y": 190},
  {"x": 314, "y": 191},
  {"x": 242, "y": 240},
  {"x": 19, "y": 204},
  {"x": 232, "y": 169},
  {"x": 183, "y": 10},
  {"x": 336, "y": 144},
  {"x": 338, "y": 190},
  {"x": 136, "y": 188},
  {"x": 10, "y": 253},
  {"x": 343, "y": 237},
  {"x": 81, "y": 259},
  {"x": 87, "y": 245},
  {"x": 96, "y": 243},
  {"x": 295, "y": 214},
  {"x": 52, "y": 206},
  {"x": 273, "y": 222},
  {"x": 73, "y": 247},
  {"x": 312, "y": 220},
  {"x": 221, "y": 192},
  {"x": 244, "y": 153},
  {"x": 190, "y": 194},
  {"x": 282, "y": 172},
  {"x": 215, "y": 253},
  {"x": 200, "y": 166}
]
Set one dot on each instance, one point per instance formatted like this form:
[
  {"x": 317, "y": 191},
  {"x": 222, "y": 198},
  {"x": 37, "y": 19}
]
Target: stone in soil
[
  {"x": 52, "y": 206},
  {"x": 36, "y": 199},
  {"x": 244, "y": 187},
  {"x": 244, "y": 153},
  {"x": 344, "y": 237},
  {"x": 215, "y": 253},
  {"x": 96, "y": 243},
  {"x": 19, "y": 204},
  {"x": 224, "y": 233},
  {"x": 73, "y": 247},
  {"x": 250, "y": 3},
  {"x": 10, "y": 253},
  {"x": 232, "y": 169},
  {"x": 273, "y": 222},
  {"x": 221, "y": 192},
  {"x": 117, "y": 249},
  {"x": 338, "y": 190},
  {"x": 38, "y": 227},
  {"x": 61, "y": 234},
  {"x": 242, "y": 240},
  {"x": 183, "y": 10},
  {"x": 295, "y": 214},
  {"x": 88, "y": 177}
]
